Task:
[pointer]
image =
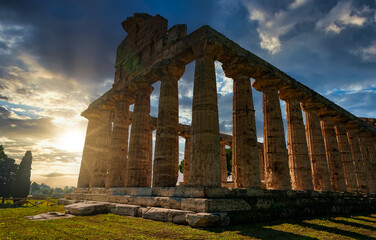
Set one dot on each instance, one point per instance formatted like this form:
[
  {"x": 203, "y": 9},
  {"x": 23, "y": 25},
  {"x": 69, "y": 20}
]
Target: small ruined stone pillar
[
  {"x": 103, "y": 145},
  {"x": 119, "y": 140},
  {"x": 205, "y": 165},
  {"x": 138, "y": 169},
  {"x": 277, "y": 174},
  {"x": 333, "y": 156},
  {"x": 187, "y": 156},
  {"x": 346, "y": 158},
  {"x": 166, "y": 161},
  {"x": 245, "y": 161},
  {"x": 299, "y": 164},
  {"x": 90, "y": 151},
  {"x": 316, "y": 148},
  {"x": 369, "y": 174},
  {"x": 223, "y": 162},
  {"x": 357, "y": 157}
]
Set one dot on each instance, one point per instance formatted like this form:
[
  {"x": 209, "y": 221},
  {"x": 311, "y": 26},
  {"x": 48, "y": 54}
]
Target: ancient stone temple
[{"x": 326, "y": 166}]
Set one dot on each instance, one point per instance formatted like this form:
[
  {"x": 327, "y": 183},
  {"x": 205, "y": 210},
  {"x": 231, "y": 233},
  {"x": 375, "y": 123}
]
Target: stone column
[
  {"x": 119, "y": 140},
  {"x": 333, "y": 156},
  {"x": 138, "y": 170},
  {"x": 262, "y": 164},
  {"x": 166, "y": 161},
  {"x": 299, "y": 164},
  {"x": 357, "y": 157},
  {"x": 346, "y": 158},
  {"x": 372, "y": 152},
  {"x": 316, "y": 148},
  {"x": 103, "y": 147},
  {"x": 187, "y": 157},
  {"x": 369, "y": 174},
  {"x": 150, "y": 148},
  {"x": 205, "y": 166},
  {"x": 276, "y": 158},
  {"x": 90, "y": 151},
  {"x": 245, "y": 161},
  {"x": 223, "y": 162}
]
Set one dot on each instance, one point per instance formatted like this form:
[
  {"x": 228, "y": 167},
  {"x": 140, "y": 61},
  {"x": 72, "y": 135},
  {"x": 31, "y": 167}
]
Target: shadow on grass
[
  {"x": 357, "y": 225},
  {"x": 335, "y": 231},
  {"x": 365, "y": 220}
]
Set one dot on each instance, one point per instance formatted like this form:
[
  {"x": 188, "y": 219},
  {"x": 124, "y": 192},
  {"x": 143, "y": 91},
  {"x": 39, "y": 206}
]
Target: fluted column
[
  {"x": 187, "y": 157},
  {"x": 223, "y": 162},
  {"x": 369, "y": 174},
  {"x": 138, "y": 170},
  {"x": 333, "y": 156},
  {"x": 316, "y": 148},
  {"x": 90, "y": 151},
  {"x": 119, "y": 141},
  {"x": 276, "y": 158},
  {"x": 166, "y": 161},
  {"x": 299, "y": 164},
  {"x": 351, "y": 129},
  {"x": 371, "y": 141},
  {"x": 262, "y": 164},
  {"x": 205, "y": 166},
  {"x": 103, "y": 147},
  {"x": 346, "y": 158}
]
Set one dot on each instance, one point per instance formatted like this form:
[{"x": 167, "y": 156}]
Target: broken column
[
  {"x": 316, "y": 148},
  {"x": 277, "y": 174},
  {"x": 138, "y": 169},
  {"x": 346, "y": 158},
  {"x": 299, "y": 164},
  {"x": 333, "y": 156},
  {"x": 90, "y": 151}
]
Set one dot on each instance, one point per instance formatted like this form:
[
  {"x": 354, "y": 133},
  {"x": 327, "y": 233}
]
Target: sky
[{"x": 56, "y": 57}]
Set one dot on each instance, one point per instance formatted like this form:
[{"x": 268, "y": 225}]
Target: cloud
[{"x": 367, "y": 54}]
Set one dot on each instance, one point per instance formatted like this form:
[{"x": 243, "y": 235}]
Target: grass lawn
[{"x": 13, "y": 225}]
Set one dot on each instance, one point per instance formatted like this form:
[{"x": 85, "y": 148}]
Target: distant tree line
[
  {"x": 14, "y": 178},
  {"x": 43, "y": 190}
]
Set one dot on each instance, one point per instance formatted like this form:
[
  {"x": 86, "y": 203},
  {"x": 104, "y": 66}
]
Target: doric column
[
  {"x": 205, "y": 166},
  {"x": 245, "y": 161},
  {"x": 166, "y": 161},
  {"x": 223, "y": 162},
  {"x": 276, "y": 158},
  {"x": 333, "y": 156},
  {"x": 299, "y": 164},
  {"x": 187, "y": 157},
  {"x": 351, "y": 129},
  {"x": 316, "y": 148},
  {"x": 90, "y": 151},
  {"x": 369, "y": 174},
  {"x": 103, "y": 147},
  {"x": 371, "y": 141},
  {"x": 119, "y": 140},
  {"x": 346, "y": 158},
  {"x": 138, "y": 169},
  {"x": 262, "y": 164}
]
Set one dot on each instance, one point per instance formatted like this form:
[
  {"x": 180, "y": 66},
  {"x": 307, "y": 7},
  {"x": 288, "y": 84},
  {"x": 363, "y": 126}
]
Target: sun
[{"x": 71, "y": 141}]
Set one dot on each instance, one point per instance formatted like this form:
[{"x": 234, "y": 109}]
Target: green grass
[{"x": 13, "y": 225}]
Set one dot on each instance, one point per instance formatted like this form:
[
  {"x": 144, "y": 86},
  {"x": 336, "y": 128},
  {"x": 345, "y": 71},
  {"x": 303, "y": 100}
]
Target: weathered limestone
[
  {"x": 138, "y": 169},
  {"x": 299, "y": 164},
  {"x": 346, "y": 158},
  {"x": 187, "y": 157},
  {"x": 357, "y": 157},
  {"x": 223, "y": 162},
  {"x": 205, "y": 166},
  {"x": 316, "y": 148},
  {"x": 371, "y": 143},
  {"x": 276, "y": 158},
  {"x": 333, "y": 156},
  {"x": 103, "y": 141},
  {"x": 166, "y": 161},
  {"x": 245, "y": 152},
  {"x": 368, "y": 170},
  {"x": 119, "y": 140},
  {"x": 90, "y": 151}
]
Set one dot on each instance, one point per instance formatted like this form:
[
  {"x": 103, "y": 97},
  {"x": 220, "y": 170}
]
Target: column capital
[
  {"x": 340, "y": 119},
  {"x": 311, "y": 105},
  {"x": 123, "y": 95},
  {"x": 239, "y": 68},
  {"x": 327, "y": 112},
  {"x": 169, "y": 70},
  {"x": 268, "y": 83},
  {"x": 287, "y": 93},
  {"x": 353, "y": 125},
  {"x": 144, "y": 87},
  {"x": 91, "y": 114}
]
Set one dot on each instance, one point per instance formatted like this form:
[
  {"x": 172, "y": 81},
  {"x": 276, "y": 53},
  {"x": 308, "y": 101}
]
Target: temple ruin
[{"x": 327, "y": 166}]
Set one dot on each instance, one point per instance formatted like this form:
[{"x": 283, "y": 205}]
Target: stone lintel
[
  {"x": 311, "y": 105},
  {"x": 327, "y": 112}
]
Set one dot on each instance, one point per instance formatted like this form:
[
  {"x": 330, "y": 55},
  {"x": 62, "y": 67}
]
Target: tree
[
  {"x": 21, "y": 182},
  {"x": 181, "y": 166},
  {"x": 8, "y": 168},
  {"x": 34, "y": 188}
]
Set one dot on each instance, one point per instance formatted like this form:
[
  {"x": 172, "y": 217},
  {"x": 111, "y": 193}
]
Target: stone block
[
  {"x": 63, "y": 201},
  {"x": 125, "y": 210},
  {"x": 221, "y": 205},
  {"x": 138, "y": 191},
  {"x": 141, "y": 211},
  {"x": 194, "y": 204},
  {"x": 87, "y": 208},
  {"x": 202, "y": 220},
  {"x": 158, "y": 214},
  {"x": 178, "y": 216}
]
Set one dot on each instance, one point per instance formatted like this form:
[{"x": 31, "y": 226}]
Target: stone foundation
[{"x": 198, "y": 206}]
